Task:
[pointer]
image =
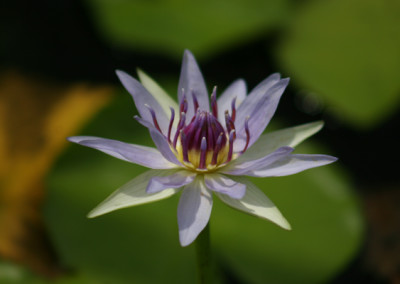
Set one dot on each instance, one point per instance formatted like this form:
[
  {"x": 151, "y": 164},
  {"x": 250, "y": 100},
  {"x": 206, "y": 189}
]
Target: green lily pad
[
  {"x": 140, "y": 244},
  {"x": 170, "y": 26},
  {"x": 347, "y": 53}
]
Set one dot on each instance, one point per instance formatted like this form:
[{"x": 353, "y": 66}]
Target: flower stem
[{"x": 205, "y": 263}]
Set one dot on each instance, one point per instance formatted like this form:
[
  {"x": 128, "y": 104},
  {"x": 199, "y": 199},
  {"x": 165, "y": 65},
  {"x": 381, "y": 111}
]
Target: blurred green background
[{"x": 57, "y": 62}]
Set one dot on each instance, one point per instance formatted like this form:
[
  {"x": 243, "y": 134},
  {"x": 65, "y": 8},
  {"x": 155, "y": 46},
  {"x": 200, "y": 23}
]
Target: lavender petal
[
  {"x": 292, "y": 164},
  {"x": 194, "y": 211},
  {"x": 238, "y": 167},
  {"x": 222, "y": 184},
  {"x": 141, "y": 155},
  {"x": 142, "y": 97},
  {"x": 260, "y": 105},
  {"x": 191, "y": 80},
  {"x": 176, "y": 179},
  {"x": 163, "y": 146},
  {"x": 236, "y": 90},
  {"x": 158, "y": 93}
]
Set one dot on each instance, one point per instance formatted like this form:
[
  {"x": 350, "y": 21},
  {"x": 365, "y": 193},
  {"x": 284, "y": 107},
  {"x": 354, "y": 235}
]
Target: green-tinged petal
[
  {"x": 158, "y": 93},
  {"x": 269, "y": 142},
  {"x": 133, "y": 193},
  {"x": 256, "y": 203}
]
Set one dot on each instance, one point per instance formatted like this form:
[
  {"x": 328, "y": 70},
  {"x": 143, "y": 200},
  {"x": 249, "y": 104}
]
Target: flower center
[{"x": 203, "y": 144}]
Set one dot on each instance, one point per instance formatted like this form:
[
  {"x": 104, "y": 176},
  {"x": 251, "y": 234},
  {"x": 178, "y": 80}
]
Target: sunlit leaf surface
[
  {"x": 347, "y": 53},
  {"x": 169, "y": 26}
]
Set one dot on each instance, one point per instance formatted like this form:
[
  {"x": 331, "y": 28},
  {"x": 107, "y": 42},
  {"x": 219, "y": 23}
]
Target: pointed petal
[
  {"x": 163, "y": 146},
  {"x": 175, "y": 180},
  {"x": 160, "y": 141},
  {"x": 292, "y": 164},
  {"x": 141, "y": 155},
  {"x": 259, "y": 109},
  {"x": 133, "y": 193},
  {"x": 158, "y": 93},
  {"x": 236, "y": 90},
  {"x": 256, "y": 95},
  {"x": 256, "y": 203},
  {"x": 244, "y": 167},
  {"x": 222, "y": 184},
  {"x": 194, "y": 211},
  {"x": 191, "y": 80},
  {"x": 142, "y": 97},
  {"x": 269, "y": 142}
]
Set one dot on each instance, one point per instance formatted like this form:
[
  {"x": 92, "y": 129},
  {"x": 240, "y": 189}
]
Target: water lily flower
[{"x": 206, "y": 146}]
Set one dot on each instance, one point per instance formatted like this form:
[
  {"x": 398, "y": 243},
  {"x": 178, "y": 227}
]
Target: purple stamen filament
[
  {"x": 171, "y": 122},
  {"x": 153, "y": 115},
  {"x": 214, "y": 105},
  {"x": 246, "y": 128}
]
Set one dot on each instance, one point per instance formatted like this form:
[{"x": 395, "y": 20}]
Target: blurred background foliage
[{"x": 57, "y": 62}]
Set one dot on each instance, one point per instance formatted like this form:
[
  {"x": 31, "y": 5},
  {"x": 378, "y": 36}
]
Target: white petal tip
[
  {"x": 286, "y": 226},
  {"x": 185, "y": 243},
  {"x": 92, "y": 214},
  {"x": 76, "y": 139},
  {"x": 71, "y": 139}
]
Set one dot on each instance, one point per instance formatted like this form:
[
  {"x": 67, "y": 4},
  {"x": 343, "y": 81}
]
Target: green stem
[{"x": 205, "y": 263}]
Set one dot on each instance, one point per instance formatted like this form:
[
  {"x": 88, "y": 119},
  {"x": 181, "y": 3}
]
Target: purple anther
[
  {"x": 233, "y": 105},
  {"x": 227, "y": 118},
  {"x": 218, "y": 146},
  {"x": 231, "y": 138},
  {"x": 184, "y": 146},
  {"x": 181, "y": 124},
  {"x": 198, "y": 130},
  {"x": 171, "y": 122},
  {"x": 203, "y": 153},
  {"x": 184, "y": 103},
  {"x": 229, "y": 123},
  {"x": 214, "y": 105},
  {"x": 246, "y": 128},
  {"x": 195, "y": 101},
  {"x": 153, "y": 115},
  {"x": 210, "y": 132}
]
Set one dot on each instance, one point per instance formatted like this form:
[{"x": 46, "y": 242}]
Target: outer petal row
[
  {"x": 256, "y": 203},
  {"x": 269, "y": 142},
  {"x": 141, "y": 155},
  {"x": 194, "y": 211},
  {"x": 244, "y": 167},
  {"x": 133, "y": 193},
  {"x": 292, "y": 164}
]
